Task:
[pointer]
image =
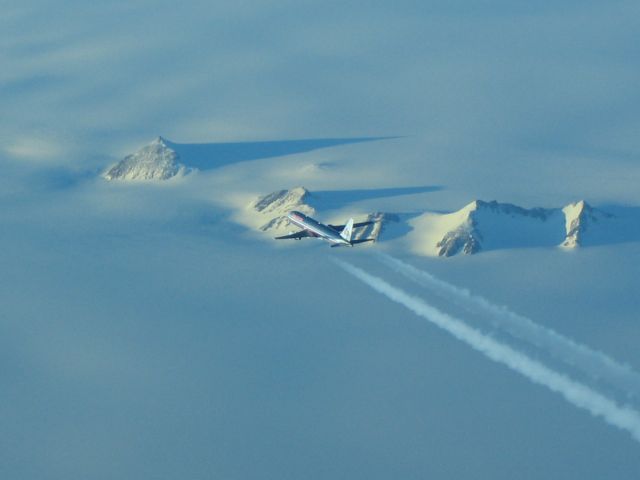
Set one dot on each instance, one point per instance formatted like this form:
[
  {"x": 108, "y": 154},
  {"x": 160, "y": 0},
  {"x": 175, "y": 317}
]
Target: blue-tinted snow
[{"x": 144, "y": 334}]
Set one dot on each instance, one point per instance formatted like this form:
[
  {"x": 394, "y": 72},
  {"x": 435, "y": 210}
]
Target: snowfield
[
  {"x": 160, "y": 298},
  {"x": 476, "y": 227},
  {"x": 152, "y": 328}
]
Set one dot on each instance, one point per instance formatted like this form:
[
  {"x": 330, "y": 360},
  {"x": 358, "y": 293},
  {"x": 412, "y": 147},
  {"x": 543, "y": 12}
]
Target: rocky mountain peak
[
  {"x": 276, "y": 205},
  {"x": 491, "y": 225},
  {"x": 154, "y": 161},
  {"x": 282, "y": 201},
  {"x": 580, "y": 217}
]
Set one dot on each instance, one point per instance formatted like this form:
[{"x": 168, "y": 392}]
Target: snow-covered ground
[{"x": 154, "y": 329}]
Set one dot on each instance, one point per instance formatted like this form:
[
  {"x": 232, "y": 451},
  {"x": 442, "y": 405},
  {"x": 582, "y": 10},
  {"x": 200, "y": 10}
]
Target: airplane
[{"x": 337, "y": 235}]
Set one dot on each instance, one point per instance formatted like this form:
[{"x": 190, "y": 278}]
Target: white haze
[{"x": 145, "y": 333}]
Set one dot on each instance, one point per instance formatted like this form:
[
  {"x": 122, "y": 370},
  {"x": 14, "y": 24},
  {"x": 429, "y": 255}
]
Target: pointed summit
[
  {"x": 276, "y": 205},
  {"x": 483, "y": 226},
  {"x": 282, "y": 201},
  {"x": 159, "y": 140},
  {"x": 492, "y": 225},
  {"x": 154, "y": 161},
  {"x": 580, "y": 217}
]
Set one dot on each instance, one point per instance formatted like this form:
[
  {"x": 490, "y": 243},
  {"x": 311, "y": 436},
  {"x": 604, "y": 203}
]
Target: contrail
[
  {"x": 596, "y": 364},
  {"x": 573, "y": 392}
]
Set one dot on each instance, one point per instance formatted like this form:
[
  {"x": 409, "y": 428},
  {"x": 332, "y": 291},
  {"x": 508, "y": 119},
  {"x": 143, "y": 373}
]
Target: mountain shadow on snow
[
  {"x": 163, "y": 159},
  {"x": 206, "y": 156}
]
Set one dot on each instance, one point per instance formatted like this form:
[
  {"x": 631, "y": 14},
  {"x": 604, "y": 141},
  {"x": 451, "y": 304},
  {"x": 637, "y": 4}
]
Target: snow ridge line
[
  {"x": 598, "y": 365},
  {"x": 576, "y": 393}
]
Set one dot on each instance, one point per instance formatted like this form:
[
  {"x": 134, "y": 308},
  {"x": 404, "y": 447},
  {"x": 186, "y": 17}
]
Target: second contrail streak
[
  {"x": 592, "y": 362},
  {"x": 572, "y": 391}
]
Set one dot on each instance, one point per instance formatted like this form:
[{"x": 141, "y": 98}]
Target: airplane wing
[
  {"x": 296, "y": 235},
  {"x": 339, "y": 228}
]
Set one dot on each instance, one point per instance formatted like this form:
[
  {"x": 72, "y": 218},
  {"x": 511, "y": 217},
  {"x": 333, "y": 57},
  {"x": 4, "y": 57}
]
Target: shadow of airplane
[{"x": 206, "y": 156}]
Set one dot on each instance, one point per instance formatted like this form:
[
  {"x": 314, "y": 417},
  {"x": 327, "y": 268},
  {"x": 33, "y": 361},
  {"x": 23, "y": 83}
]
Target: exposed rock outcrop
[{"x": 155, "y": 161}]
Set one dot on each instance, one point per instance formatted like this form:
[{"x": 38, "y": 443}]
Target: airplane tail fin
[{"x": 347, "y": 231}]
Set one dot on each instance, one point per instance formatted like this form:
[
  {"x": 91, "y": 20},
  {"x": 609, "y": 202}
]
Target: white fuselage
[{"x": 317, "y": 229}]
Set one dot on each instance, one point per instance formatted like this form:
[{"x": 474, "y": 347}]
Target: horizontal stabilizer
[
  {"x": 339, "y": 228},
  {"x": 295, "y": 236},
  {"x": 362, "y": 240}
]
